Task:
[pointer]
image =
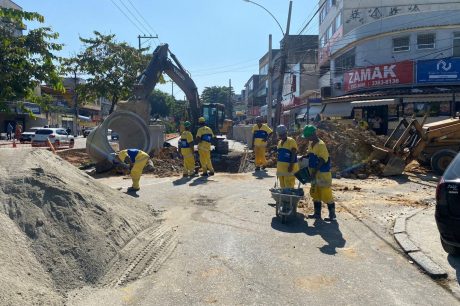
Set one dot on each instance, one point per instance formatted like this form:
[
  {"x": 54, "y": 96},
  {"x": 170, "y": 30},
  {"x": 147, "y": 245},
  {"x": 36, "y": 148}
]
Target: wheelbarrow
[{"x": 288, "y": 198}]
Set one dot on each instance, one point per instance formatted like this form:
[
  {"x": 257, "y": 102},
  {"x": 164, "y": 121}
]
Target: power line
[
  {"x": 132, "y": 22},
  {"x": 142, "y": 17},
  {"x": 311, "y": 19},
  {"x": 135, "y": 18}
]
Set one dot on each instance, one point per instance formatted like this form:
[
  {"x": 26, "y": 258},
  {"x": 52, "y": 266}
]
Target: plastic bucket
[{"x": 303, "y": 175}]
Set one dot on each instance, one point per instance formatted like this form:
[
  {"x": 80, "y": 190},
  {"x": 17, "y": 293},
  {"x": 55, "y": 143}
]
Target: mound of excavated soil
[{"x": 60, "y": 228}]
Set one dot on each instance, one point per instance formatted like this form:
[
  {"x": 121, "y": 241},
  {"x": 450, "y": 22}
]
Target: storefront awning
[
  {"x": 286, "y": 113},
  {"x": 342, "y": 109},
  {"x": 380, "y": 102},
  {"x": 314, "y": 110}
]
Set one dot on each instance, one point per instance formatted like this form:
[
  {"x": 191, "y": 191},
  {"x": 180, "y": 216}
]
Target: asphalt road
[{"x": 232, "y": 250}]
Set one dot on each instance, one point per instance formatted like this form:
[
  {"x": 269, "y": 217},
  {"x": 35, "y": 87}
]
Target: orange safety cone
[{"x": 14, "y": 143}]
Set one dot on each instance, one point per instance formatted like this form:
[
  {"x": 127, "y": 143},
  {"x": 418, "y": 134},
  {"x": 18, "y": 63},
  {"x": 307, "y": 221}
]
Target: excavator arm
[{"x": 160, "y": 63}]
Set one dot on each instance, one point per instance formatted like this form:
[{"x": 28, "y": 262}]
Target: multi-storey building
[{"x": 389, "y": 58}]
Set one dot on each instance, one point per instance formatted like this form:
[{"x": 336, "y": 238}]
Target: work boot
[
  {"x": 132, "y": 189},
  {"x": 317, "y": 213},
  {"x": 257, "y": 168},
  {"x": 332, "y": 216},
  {"x": 204, "y": 174},
  {"x": 211, "y": 173}
]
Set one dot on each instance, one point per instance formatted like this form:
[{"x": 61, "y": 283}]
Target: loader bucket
[{"x": 394, "y": 165}]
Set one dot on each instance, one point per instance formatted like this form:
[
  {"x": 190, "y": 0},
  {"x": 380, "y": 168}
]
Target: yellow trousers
[
  {"x": 259, "y": 152},
  {"x": 205, "y": 160},
  {"x": 287, "y": 181},
  {"x": 136, "y": 171},
  {"x": 189, "y": 161},
  {"x": 321, "y": 194}
]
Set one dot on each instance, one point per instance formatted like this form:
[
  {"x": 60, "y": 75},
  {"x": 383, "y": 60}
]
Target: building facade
[{"x": 402, "y": 57}]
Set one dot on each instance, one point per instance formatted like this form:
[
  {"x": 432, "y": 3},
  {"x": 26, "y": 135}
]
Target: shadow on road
[
  {"x": 132, "y": 193},
  {"x": 329, "y": 231},
  {"x": 454, "y": 262},
  {"x": 260, "y": 175},
  {"x": 201, "y": 181},
  {"x": 182, "y": 181}
]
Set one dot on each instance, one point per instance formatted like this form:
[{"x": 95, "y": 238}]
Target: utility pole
[
  {"x": 282, "y": 68},
  {"x": 270, "y": 81},
  {"x": 230, "y": 104},
  {"x": 75, "y": 103},
  {"x": 144, "y": 36}
]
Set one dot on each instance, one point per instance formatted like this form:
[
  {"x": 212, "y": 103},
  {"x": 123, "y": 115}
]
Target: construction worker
[
  {"x": 319, "y": 166},
  {"x": 186, "y": 150},
  {"x": 204, "y": 135},
  {"x": 260, "y": 134},
  {"x": 137, "y": 160},
  {"x": 287, "y": 158}
]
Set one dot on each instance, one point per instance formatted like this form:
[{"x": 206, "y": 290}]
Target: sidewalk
[{"x": 421, "y": 229}]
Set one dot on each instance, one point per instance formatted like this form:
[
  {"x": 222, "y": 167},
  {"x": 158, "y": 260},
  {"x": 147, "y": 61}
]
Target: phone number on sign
[{"x": 385, "y": 82}]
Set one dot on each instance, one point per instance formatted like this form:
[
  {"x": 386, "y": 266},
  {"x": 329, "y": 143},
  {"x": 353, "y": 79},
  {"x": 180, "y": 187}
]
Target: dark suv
[{"x": 448, "y": 208}]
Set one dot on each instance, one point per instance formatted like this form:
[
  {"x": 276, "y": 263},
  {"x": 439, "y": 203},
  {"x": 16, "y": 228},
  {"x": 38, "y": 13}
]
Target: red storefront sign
[{"x": 379, "y": 76}]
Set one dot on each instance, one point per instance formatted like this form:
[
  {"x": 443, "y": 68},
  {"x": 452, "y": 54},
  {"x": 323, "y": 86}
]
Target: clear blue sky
[{"x": 215, "y": 40}]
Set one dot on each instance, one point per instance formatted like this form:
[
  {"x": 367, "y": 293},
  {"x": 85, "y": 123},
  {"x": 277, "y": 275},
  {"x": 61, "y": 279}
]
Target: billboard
[
  {"x": 444, "y": 70},
  {"x": 379, "y": 76}
]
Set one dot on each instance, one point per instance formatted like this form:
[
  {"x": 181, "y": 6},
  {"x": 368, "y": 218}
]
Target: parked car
[
  {"x": 27, "y": 136},
  {"x": 57, "y": 136},
  {"x": 448, "y": 208},
  {"x": 87, "y": 131}
]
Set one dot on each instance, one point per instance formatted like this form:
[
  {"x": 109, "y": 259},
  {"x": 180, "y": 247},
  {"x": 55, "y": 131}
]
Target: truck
[{"x": 435, "y": 144}]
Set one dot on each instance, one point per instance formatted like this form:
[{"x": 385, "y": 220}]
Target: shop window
[
  {"x": 401, "y": 44},
  {"x": 444, "y": 109},
  {"x": 456, "y": 49},
  {"x": 408, "y": 109},
  {"x": 345, "y": 62},
  {"x": 426, "y": 41},
  {"x": 392, "y": 112}
]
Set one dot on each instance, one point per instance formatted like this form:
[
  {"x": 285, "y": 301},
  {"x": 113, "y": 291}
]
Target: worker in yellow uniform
[
  {"x": 260, "y": 134},
  {"x": 186, "y": 150},
  {"x": 319, "y": 166},
  {"x": 287, "y": 158},
  {"x": 204, "y": 136},
  {"x": 137, "y": 160}
]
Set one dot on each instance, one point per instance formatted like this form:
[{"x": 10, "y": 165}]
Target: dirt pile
[
  {"x": 349, "y": 149},
  {"x": 60, "y": 227},
  {"x": 77, "y": 157},
  {"x": 166, "y": 162}
]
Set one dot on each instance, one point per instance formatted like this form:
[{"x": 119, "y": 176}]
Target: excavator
[{"x": 164, "y": 61}]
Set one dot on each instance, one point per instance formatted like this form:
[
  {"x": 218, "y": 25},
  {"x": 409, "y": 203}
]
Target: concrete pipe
[{"x": 132, "y": 131}]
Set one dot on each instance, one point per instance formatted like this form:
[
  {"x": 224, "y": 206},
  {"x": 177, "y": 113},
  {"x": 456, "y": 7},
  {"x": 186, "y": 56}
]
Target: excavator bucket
[{"x": 394, "y": 165}]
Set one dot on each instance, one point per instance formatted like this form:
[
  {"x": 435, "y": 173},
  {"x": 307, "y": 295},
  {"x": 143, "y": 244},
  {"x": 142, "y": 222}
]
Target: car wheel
[
  {"x": 71, "y": 144},
  {"x": 450, "y": 249}
]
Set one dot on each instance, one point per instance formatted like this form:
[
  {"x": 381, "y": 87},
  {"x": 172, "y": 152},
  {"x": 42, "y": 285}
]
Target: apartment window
[
  {"x": 330, "y": 32},
  {"x": 322, "y": 41},
  {"x": 322, "y": 15},
  {"x": 345, "y": 61},
  {"x": 426, "y": 41},
  {"x": 338, "y": 22},
  {"x": 264, "y": 70},
  {"x": 456, "y": 49},
  {"x": 401, "y": 44}
]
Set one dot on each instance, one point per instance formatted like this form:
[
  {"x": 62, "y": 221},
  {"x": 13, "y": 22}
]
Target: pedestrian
[
  {"x": 204, "y": 136},
  {"x": 18, "y": 131},
  {"x": 9, "y": 131},
  {"x": 68, "y": 130},
  {"x": 319, "y": 166},
  {"x": 363, "y": 124},
  {"x": 136, "y": 159},
  {"x": 186, "y": 150},
  {"x": 260, "y": 135},
  {"x": 287, "y": 158}
]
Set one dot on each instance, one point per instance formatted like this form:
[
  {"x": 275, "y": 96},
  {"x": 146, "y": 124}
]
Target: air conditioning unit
[
  {"x": 326, "y": 92},
  {"x": 338, "y": 85}
]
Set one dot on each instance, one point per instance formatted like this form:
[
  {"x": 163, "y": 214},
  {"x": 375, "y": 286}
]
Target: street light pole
[
  {"x": 255, "y": 3},
  {"x": 270, "y": 81}
]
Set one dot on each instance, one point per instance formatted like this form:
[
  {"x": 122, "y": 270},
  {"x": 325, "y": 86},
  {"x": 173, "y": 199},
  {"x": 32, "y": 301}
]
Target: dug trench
[{"x": 62, "y": 230}]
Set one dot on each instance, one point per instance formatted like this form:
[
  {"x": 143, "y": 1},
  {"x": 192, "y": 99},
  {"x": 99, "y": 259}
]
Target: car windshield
[
  {"x": 44, "y": 132},
  {"x": 453, "y": 171}
]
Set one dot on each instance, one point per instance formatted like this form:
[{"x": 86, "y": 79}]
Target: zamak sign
[{"x": 444, "y": 70}]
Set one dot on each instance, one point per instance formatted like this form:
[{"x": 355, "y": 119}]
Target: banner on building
[
  {"x": 379, "y": 76},
  {"x": 444, "y": 70}
]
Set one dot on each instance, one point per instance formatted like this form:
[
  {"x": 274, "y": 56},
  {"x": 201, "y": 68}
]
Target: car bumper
[{"x": 449, "y": 228}]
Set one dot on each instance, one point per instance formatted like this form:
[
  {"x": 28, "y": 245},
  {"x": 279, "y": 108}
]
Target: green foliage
[
  {"x": 26, "y": 60},
  {"x": 161, "y": 104},
  {"x": 112, "y": 67}
]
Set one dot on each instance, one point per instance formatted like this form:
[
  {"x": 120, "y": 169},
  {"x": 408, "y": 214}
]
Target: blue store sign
[{"x": 446, "y": 70}]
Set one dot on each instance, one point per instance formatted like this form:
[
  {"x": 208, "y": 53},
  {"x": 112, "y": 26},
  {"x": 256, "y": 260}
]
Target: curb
[{"x": 413, "y": 251}]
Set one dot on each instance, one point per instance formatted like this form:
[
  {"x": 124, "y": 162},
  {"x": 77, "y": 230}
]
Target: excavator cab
[{"x": 214, "y": 113}]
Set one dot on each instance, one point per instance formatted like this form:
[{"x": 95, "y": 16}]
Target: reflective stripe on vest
[
  {"x": 284, "y": 155},
  {"x": 261, "y": 134},
  {"x": 313, "y": 162},
  {"x": 132, "y": 153},
  {"x": 184, "y": 143},
  {"x": 206, "y": 137}
]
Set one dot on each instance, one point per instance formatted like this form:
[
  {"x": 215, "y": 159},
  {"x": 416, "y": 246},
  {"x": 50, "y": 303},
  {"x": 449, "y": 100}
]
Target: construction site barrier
[{"x": 242, "y": 133}]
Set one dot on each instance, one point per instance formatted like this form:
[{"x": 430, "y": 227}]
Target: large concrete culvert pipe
[{"x": 132, "y": 130}]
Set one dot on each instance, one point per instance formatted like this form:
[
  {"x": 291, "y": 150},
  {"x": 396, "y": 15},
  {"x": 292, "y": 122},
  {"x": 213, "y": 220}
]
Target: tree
[
  {"x": 218, "y": 94},
  {"x": 160, "y": 103},
  {"x": 26, "y": 60},
  {"x": 112, "y": 67}
]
